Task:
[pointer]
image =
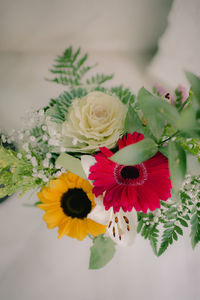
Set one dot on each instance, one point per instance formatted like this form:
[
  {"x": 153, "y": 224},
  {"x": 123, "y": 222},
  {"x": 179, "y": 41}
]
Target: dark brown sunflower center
[
  {"x": 75, "y": 203},
  {"x": 130, "y": 172}
]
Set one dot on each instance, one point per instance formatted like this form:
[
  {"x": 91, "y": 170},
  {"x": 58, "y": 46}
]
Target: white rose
[{"x": 93, "y": 121}]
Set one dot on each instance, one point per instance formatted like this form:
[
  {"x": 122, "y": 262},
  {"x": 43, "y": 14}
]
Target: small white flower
[
  {"x": 45, "y": 138},
  {"x": 3, "y": 138},
  {"x": 41, "y": 112},
  {"x": 57, "y": 174},
  {"x": 45, "y": 163},
  {"x": 34, "y": 161},
  {"x": 26, "y": 147},
  {"x": 32, "y": 138},
  {"x": 48, "y": 155},
  {"x": 28, "y": 156},
  {"x": 19, "y": 155},
  {"x": 44, "y": 127}
]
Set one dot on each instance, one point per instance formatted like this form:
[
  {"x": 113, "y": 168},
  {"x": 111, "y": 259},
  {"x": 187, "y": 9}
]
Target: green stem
[{"x": 169, "y": 138}]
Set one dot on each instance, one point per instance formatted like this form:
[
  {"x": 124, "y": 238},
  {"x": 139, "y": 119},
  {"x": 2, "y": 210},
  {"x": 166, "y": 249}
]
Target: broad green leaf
[
  {"x": 156, "y": 111},
  {"x": 136, "y": 153},
  {"x": 188, "y": 124},
  {"x": 177, "y": 164},
  {"x": 101, "y": 252},
  {"x": 71, "y": 163},
  {"x": 195, "y": 229},
  {"x": 195, "y": 84},
  {"x": 133, "y": 122},
  {"x": 193, "y": 165},
  {"x": 164, "y": 150}
]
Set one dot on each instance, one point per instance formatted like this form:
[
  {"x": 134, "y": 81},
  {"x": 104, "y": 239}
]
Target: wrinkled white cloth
[
  {"x": 179, "y": 46},
  {"x": 34, "y": 264}
]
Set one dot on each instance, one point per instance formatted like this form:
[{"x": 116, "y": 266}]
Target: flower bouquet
[{"x": 107, "y": 164}]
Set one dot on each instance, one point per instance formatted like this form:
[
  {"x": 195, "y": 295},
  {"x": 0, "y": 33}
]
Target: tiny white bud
[
  {"x": 3, "y": 138},
  {"x": 34, "y": 161},
  {"x": 19, "y": 155},
  {"x": 32, "y": 138},
  {"x": 45, "y": 138},
  {"x": 44, "y": 127},
  {"x": 28, "y": 156},
  {"x": 45, "y": 163},
  {"x": 48, "y": 155},
  {"x": 45, "y": 179},
  {"x": 26, "y": 147},
  {"x": 41, "y": 112}
]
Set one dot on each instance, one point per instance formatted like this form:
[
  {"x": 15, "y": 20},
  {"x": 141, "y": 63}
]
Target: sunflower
[
  {"x": 68, "y": 201},
  {"x": 140, "y": 186}
]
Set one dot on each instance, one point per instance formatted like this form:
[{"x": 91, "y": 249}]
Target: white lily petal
[
  {"x": 122, "y": 227},
  {"x": 87, "y": 161},
  {"x": 99, "y": 214}
]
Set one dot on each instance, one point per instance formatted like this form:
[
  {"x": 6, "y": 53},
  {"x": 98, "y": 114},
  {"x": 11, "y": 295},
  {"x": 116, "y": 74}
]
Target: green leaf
[
  {"x": 188, "y": 124},
  {"x": 136, "y": 153},
  {"x": 193, "y": 165},
  {"x": 195, "y": 229},
  {"x": 101, "y": 252},
  {"x": 133, "y": 122},
  {"x": 71, "y": 164},
  {"x": 177, "y": 164},
  {"x": 156, "y": 111},
  {"x": 195, "y": 84}
]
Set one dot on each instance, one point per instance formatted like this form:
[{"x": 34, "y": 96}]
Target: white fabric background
[
  {"x": 179, "y": 47},
  {"x": 121, "y": 36}
]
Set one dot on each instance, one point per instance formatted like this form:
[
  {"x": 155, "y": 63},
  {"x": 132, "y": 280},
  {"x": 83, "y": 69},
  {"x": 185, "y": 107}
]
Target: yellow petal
[{"x": 95, "y": 228}]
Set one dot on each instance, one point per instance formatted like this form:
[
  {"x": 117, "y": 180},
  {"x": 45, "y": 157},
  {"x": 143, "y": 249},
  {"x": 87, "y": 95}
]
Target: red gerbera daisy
[{"x": 140, "y": 186}]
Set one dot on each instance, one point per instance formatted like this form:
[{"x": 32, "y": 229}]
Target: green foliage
[
  {"x": 124, "y": 94},
  {"x": 148, "y": 229},
  {"x": 133, "y": 122},
  {"x": 99, "y": 79},
  {"x": 156, "y": 111},
  {"x": 171, "y": 228},
  {"x": 15, "y": 174},
  {"x": 71, "y": 67},
  {"x": 177, "y": 164},
  {"x": 136, "y": 153},
  {"x": 101, "y": 252},
  {"x": 58, "y": 108},
  {"x": 195, "y": 225},
  {"x": 195, "y": 84}
]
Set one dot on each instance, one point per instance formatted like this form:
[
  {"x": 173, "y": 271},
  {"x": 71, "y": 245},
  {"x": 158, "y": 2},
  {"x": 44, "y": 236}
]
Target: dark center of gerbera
[
  {"x": 130, "y": 172},
  {"x": 75, "y": 203}
]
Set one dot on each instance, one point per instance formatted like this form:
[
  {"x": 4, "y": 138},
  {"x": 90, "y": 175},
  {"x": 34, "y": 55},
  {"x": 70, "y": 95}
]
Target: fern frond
[
  {"x": 70, "y": 67},
  {"x": 195, "y": 225},
  {"x": 124, "y": 94},
  {"x": 58, "y": 108}
]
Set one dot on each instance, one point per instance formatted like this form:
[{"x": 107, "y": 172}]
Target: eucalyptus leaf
[
  {"x": 195, "y": 84},
  {"x": 156, "y": 111},
  {"x": 101, "y": 252},
  {"x": 136, "y": 153},
  {"x": 193, "y": 165},
  {"x": 177, "y": 164},
  {"x": 71, "y": 163},
  {"x": 133, "y": 122},
  {"x": 187, "y": 123}
]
